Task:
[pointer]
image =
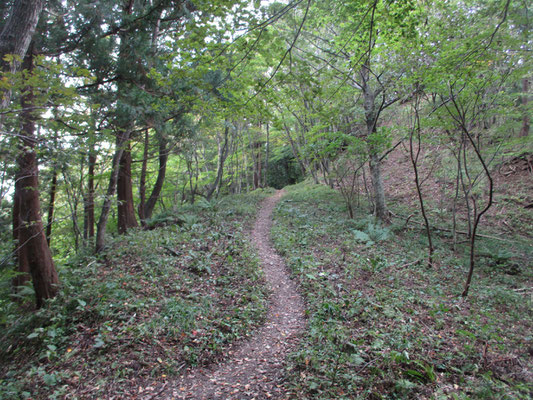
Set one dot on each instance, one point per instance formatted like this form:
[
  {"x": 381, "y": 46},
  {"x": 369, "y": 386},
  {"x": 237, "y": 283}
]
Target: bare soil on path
[{"x": 255, "y": 368}]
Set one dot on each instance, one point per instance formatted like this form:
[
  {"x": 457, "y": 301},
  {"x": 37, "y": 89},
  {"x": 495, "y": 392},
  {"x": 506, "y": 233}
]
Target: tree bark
[
  {"x": 160, "y": 180},
  {"x": 126, "y": 121},
  {"x": 377, "y": 186},
  {"x": 16, "y": 36},
  {"x": 126, "y": 210},
  {"x": 142, "y": 181},
  {"x": 20, "y": 256},
  {"x": 371, "y": 117},
  {"x": 32, "y": 240}
]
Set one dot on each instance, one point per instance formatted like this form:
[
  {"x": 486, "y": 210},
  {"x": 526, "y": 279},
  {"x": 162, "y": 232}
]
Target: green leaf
[{"x": 49, "y": 379}]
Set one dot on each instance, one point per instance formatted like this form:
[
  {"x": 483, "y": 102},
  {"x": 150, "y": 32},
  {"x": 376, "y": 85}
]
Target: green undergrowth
[
  {"x": 154, "y": 303},
  {"x": 382, "y": 325}
]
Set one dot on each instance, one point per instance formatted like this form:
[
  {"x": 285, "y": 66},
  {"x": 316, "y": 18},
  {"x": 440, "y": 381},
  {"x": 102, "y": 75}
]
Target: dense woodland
[{"x": 141, "y": 132}]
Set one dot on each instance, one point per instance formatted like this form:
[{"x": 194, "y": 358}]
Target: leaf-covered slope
[
  {"x": 154, "y": 303},
  {"x": 383, "y": 325}
]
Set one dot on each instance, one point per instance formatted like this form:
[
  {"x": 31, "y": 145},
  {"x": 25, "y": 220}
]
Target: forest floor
[
  {"x": 207, "y": 305},
  {"x": 254, "y": 369},
  {"x": 132, "y": 319},
  {"x": 384, "y": 325}
]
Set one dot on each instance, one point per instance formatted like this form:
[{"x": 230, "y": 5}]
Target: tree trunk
[
  {"x": 142, "y": 181},
  {"x": 89, "y": 199},
  {"x": 371, "y": 118},
  {"x": 20, "y": 256},
  {"x": 126, "y": 120},
  {"x": 477, "y": 215},
  {"x": 126, "y": 210},
  {"x": 72, "y": 201},
  {"x": 161, "y": 173},
  {"x": 16, "y": 36},
  {"x": 51, "y": 205},
  {"x": 31, "y": 238},
  {"x": 111, "y": 188},
  {"x": 223, "y": 151},
  {"x": 267, "y": 150},
  {"x": 414, "y": 154}
]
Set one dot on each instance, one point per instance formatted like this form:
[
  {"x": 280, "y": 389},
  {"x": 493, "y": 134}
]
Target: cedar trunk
[
  {"x": 126, "y": 210},
  {"x": 31, "y": 238},
  {"x": 16, "y": 35},
  {"x": 20, "y": 257}
]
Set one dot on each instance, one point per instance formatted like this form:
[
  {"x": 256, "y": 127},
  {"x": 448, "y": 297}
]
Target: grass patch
[{"x": 384, "y": 326}]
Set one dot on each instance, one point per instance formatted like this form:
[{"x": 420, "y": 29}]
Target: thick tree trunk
[
  {"x": 31, "y": 238},
  {"x": 20, "y": 256},
  {"x": 111, "y": 188},
  {"x": 126, "y": 120},
  {"x": 16, "y": 36},
  {"x": 126, "y": 210}
]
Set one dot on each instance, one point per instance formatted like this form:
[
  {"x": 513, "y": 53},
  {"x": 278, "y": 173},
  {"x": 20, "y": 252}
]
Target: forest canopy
[{"x": 114, "y": 113}]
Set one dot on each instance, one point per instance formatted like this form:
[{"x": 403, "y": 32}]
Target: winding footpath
[{"x": 254, "y": 369}]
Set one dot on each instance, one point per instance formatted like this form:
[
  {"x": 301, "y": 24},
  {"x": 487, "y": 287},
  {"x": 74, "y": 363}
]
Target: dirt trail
[{"x": 254, "y": 368}]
